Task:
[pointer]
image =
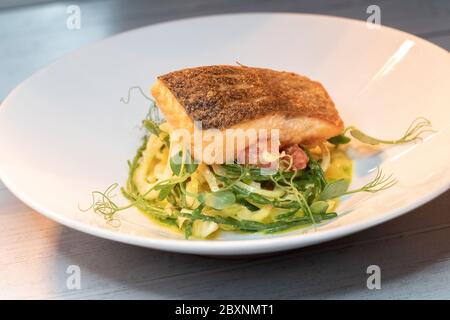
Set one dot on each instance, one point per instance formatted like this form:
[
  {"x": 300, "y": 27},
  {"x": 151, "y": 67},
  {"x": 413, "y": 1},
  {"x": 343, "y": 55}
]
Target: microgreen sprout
[
  {"x": 128, "y": 98},
  {"x": 192, "y": 194},
  {"x": 379, "y": 183},
  {"x": 414, "y": 133},
  {"x": 103, "y": 204}
]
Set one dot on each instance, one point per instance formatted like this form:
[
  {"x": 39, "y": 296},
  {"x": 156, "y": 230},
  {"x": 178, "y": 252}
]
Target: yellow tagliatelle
[{"x": 153, "y": 167}]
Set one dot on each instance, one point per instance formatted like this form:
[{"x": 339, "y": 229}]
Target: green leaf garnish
[
  {"x": 319, "y": 207},
  {"x": 164, "y": 191},
  {"x": 334, "y": 189},
  {"x": 188, "y": 229},
  {"x": 297, "y": 197},
  {"x": 242, "y": 201},
  {"x": 339, "y": 139},
  {"x": 151, "y": 127},
  {"x": 218, "y": 200},
  {"x": 179, "y": 165}
]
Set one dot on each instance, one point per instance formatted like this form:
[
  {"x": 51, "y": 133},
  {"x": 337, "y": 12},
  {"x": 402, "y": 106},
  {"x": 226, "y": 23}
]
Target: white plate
[{"x": 64, "y": 133}]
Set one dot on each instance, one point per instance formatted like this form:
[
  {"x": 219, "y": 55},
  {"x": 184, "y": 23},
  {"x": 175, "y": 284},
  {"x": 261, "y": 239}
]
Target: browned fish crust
[{"x": 221, "y": 96}]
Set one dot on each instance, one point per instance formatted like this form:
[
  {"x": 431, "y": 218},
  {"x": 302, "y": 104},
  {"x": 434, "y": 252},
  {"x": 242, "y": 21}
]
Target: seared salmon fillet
[{"x": 224, "y": 97}]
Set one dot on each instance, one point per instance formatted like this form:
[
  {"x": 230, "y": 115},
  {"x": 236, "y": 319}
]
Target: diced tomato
[{"x": 299, "y": 157}]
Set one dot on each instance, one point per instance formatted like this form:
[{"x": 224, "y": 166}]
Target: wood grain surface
[{"x": 412, "y": 251}]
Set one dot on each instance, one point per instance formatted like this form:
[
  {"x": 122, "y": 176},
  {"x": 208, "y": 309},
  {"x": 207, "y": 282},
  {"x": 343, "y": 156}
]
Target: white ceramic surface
[{"x": 64, "y": 132}]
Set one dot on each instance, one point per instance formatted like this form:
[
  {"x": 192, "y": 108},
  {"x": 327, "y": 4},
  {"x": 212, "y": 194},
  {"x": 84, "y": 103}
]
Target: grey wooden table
[{"x": 413, "y": 251}]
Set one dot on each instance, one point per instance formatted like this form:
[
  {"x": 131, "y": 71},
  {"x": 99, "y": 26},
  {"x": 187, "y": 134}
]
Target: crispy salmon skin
[{"x": 223, "y": 97}]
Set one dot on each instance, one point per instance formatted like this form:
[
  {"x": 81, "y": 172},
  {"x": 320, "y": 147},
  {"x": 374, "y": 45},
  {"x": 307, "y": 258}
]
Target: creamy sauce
[{"x": 341, "y": 166}]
